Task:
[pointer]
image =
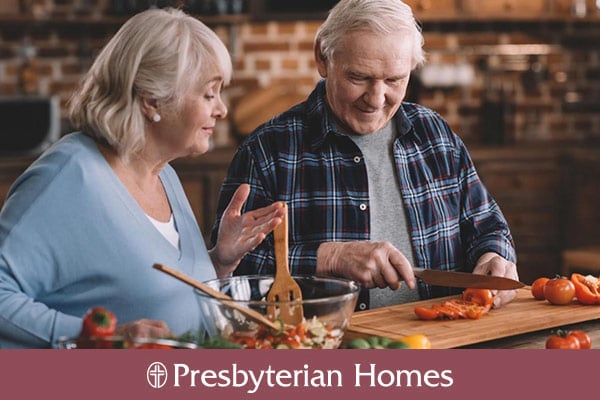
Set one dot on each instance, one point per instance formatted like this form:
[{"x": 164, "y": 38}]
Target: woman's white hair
[
  {"x": 380, "y": 16},
  {"x": 155, "y": 55}
]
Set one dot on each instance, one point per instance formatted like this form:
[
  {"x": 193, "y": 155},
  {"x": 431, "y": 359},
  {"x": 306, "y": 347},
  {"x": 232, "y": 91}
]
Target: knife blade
[{"x": 466, "y": 280}]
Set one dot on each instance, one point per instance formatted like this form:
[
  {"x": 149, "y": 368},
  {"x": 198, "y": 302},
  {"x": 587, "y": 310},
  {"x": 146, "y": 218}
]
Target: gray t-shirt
[{"x": 388, "y": 218}]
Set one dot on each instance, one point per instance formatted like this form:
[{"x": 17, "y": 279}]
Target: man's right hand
[{"x": 370, "y": 264}]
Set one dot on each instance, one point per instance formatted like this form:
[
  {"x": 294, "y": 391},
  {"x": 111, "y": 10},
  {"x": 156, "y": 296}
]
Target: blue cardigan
[{"x": 72, "y": 237}]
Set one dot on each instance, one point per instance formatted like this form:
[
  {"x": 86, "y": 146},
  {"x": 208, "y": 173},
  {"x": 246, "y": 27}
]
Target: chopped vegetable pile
[
  {"x": 473, "y": 304},
  {"x": 310, "y": 334}
]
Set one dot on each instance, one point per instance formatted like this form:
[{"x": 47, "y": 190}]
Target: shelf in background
[{"x": 87, "y": 20}]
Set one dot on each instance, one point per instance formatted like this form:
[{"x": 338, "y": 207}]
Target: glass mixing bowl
[{"x": 328, "y": 304}]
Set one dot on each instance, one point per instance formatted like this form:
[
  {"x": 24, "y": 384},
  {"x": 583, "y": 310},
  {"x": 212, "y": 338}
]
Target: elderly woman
[{"x": 84, "y": 224}]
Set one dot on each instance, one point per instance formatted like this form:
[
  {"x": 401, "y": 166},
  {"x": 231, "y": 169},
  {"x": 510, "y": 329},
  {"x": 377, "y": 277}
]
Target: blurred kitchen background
[{"x": 519, "y": 81}]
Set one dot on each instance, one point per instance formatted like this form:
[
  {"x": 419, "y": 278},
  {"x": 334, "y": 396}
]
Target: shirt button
[
  {"x": 362, "y": 306},
  {"x": 363, "y": 207},
  {"x": 356, "y": 159}
]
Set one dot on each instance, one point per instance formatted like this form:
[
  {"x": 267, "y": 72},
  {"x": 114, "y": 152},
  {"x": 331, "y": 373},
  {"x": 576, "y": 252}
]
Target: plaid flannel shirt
[{"x": 300, "y": 157}]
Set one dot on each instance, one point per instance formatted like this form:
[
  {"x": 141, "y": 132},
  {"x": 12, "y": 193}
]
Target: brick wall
[
  {"x": 546, "y": 73},
  {"x": 272, "y": 52}
]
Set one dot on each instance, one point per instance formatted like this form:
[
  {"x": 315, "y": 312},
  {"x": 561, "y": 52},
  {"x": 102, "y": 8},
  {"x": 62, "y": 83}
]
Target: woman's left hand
[
  {"x": 144, "y": 328},
  {"x": 493, "y": 264},
  {"x": 240, "y": 233}
]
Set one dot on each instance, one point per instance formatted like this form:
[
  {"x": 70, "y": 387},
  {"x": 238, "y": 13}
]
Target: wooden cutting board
[{"x": 524, "y": 314}]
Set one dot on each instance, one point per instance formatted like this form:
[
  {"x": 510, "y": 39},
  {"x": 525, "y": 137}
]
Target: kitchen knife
[{"x": 465, "y": 280}]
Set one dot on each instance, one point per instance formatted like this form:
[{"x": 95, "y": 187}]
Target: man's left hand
[{"x": 495, "y": 265}]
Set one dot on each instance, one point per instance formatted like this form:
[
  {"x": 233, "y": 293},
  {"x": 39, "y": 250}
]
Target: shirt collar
[
  {"x": 320, "y": 117},
  {"x": 404, "y": 125},
  {"x": 322, "y": 121}
]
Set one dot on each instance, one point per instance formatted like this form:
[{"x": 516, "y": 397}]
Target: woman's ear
[
  {"x": 321, "y": 60},
  {"x": 149, "y": 108}
]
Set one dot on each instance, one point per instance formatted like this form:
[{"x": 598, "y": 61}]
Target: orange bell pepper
[{"x": 587, "y": 288}]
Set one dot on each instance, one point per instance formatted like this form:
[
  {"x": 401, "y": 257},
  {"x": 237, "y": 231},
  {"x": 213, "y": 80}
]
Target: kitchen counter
[
  {"x": 537, "y": 340},
  {"x": 523, "y": 323}
]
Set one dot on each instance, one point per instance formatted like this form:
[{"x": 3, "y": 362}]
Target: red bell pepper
[
  {"x": 587, "y": 288},
  {"x": 98, "y": 322}
]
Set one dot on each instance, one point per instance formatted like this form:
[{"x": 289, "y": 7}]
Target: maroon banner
[{"x": 297, "y": 374}]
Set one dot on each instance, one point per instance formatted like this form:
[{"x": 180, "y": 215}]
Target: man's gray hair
[{"x": 379, "y": 16}]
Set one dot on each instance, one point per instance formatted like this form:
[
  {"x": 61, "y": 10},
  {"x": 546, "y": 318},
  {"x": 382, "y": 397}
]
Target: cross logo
[{"x": 156, "y": 375}]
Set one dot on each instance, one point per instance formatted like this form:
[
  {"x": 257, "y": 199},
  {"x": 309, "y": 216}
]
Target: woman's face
[
  {"x": 187, "y": 131},
  {"x": 367, "y": 79}
]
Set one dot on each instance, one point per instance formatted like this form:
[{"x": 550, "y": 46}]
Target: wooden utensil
[
  {"x": 284, "y": 289},
  {"x": 228, "y": 301}
]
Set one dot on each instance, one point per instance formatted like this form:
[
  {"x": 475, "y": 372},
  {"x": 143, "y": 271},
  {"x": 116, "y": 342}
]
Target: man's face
[{"x": 367, "y": 79}]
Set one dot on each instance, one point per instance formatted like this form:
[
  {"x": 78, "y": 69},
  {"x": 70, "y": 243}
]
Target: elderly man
[{"x": 374, "y": 185}]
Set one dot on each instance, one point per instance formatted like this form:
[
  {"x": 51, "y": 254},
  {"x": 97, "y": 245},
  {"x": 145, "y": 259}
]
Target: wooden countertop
[
  {"x": 537, "y": 340},
  {"x": 522, "y": 323}
]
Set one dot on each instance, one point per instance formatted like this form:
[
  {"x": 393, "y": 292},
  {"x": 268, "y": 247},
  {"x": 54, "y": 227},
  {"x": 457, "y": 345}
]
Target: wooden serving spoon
[
  {"x": 228, "y": 301},
  {"x": 284, "y": 289}
]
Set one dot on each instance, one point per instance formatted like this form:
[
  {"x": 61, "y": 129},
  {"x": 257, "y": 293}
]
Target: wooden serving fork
[{"x": 285, "y": 290}]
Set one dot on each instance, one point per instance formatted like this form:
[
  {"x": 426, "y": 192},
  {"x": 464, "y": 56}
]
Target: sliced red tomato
[
  {"x": 446, "y": 311},
  {"x": 470, "y": 309},
  {"x": 457, "y": 307},
  {"x": 480, "y": 302},
  {"x": 426, "y": 313}
]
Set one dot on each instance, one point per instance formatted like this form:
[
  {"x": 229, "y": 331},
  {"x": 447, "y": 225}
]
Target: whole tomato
[
  {"x": 574, "y": 339},
  {"x": 559, "y": 291},
  {"x": 537, "y": 288},
  {"x": 585, "y": 342},
  {"x": 562, "y": 340}
]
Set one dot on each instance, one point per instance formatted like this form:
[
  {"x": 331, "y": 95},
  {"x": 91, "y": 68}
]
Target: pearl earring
[{"x": 156, "y": 118}]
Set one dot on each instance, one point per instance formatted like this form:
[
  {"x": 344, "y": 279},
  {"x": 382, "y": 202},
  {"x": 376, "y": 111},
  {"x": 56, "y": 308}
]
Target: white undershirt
[{"x": 167, "y": 229}]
